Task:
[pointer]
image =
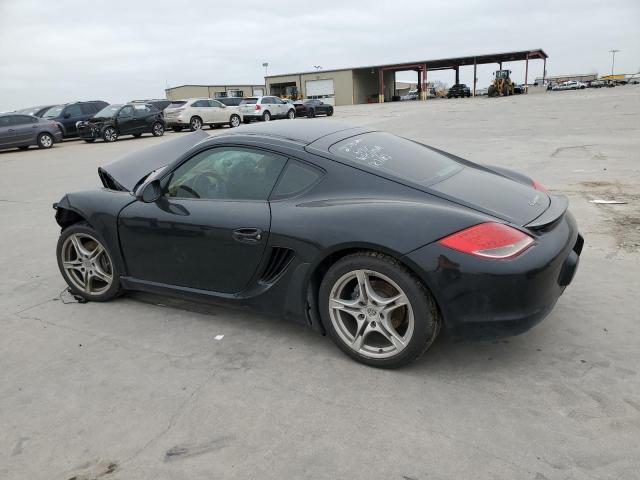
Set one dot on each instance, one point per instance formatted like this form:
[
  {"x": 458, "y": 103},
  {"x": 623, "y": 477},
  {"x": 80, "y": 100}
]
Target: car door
[
  {"x": 282, "y": 106},
  {"x": 204, "y": 111},
  {"x": 71, "y": 115},
  {"x": 218, "y": 112},
  {"x": 125, "y": 121},
  {"x": 209, "y": 229},
  {"x": 25, "y": 129},
  {"x": 268, "y": 104},
  {"x": 6, "y": 132},
  {"x": 141, "y": 118}
]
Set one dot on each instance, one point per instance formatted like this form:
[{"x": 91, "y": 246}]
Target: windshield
[
  {"x": 54, "y": 112},
  {"x": 397, "y": 157},
  {"x": 177, "y": 104},
  {"x": 109, "y": 111}
]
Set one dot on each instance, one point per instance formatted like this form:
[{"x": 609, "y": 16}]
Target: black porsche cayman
[{"x": 376, "y": 240}]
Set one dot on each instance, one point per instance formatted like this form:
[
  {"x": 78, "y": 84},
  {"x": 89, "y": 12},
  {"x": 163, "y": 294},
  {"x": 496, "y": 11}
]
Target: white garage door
[{"x": 319, "y": 88}]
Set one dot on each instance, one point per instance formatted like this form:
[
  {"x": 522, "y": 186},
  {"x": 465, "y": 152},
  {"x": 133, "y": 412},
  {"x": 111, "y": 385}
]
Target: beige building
[{"x": 213, "y": 91}]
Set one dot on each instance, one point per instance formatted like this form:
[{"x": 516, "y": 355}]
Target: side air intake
[{"x": 278, "y": 261}]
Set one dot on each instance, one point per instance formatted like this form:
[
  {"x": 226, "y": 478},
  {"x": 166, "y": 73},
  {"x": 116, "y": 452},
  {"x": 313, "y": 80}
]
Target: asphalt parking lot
[{"x": 139, "y": 388}]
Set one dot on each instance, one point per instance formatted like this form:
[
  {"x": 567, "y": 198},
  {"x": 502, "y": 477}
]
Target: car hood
[{"x": 126, "y": 172}]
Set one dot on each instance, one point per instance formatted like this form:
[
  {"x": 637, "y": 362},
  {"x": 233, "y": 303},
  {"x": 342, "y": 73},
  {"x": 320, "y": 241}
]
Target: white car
[
  {"x": 194, "y": 113},
  {"x": 569, "y": 85},
  {"x": 265, "y": 108}
]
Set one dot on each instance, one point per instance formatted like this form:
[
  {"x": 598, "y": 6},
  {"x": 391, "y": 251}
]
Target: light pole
[
  {"x": 266, "y": 68},
  {"x": 613, "y": 59}
]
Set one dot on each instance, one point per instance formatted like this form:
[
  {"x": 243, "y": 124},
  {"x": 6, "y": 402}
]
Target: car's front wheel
[
  {"x": 45, "y": 140},
  {"x": 311, "y": 113},
  {"x": 377, "y": 311},
  {"x": 330, "y": 112},
  {"x": 86, "y": 264},
  {"x": 234, "y": 121},
  {"x": 157, "y": 129},
  {"x": 195, "y": 124},
  {"x": 291, "y": 114},
  {"x": 109, "y": 134}
]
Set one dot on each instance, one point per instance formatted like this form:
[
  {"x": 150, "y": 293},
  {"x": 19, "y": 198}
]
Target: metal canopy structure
[{"x": 455, "y": 63}]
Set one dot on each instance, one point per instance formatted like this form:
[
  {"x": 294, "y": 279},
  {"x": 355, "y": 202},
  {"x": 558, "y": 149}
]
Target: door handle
[{"x": 247, "y": 235}]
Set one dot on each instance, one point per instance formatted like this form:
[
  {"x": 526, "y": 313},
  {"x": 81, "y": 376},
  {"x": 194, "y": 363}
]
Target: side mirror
[
  {"x": 149, "y": 192},
  {"x": 66, "y": 115}
]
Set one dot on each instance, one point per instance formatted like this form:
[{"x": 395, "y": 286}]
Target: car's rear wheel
[
  {"x": 157, "y": 129},
  {"x": 86, "y": 264},
  {"x": 266, "y": 116},
  {"x": 311, "y": 113},
  {"x": 234, "y": 121},
  {"x": 177, "y": 129},
  {"x": 377, "y": 311},
  {"x": 291, "y": 114},
  {"x": 195, "y": 124},
  {"x": 45, "y": 140},
  {"x": 330, "y": 112},
  {"x": 109, "y": 134}
]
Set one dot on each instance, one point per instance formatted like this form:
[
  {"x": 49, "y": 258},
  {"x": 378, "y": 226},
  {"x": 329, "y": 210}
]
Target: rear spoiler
[{"x": 557, "y": 206}]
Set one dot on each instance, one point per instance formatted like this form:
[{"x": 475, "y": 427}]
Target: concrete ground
[{"x": 139, "y": 388}]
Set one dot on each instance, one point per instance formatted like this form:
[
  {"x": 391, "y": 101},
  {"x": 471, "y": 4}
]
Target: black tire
[
  {"x": 89, "y": 140},
  {"x": 311, "y": 113},
  {"x": 330, "y": 112},
  {"x": 266, "y": 116},
  {"x": 137, "y": 135},
  {"x": 195, "y": 123},
  {"x": 426, "y": 318},
  {"x": 291, "y": 114},
  {"x": 84, "y": 228},
  {"x": 157, "y": 129},
  {"x": 234, "y": 121},
  {"x": 109, "y": 134},
  {"x": 45, "y": 140},
  {"x": 176, "y": 129}
]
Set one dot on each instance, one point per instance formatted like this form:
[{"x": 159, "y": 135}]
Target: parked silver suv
[
  {"x": 265, "y": 108},
  {"x": 196, "y": 112}
]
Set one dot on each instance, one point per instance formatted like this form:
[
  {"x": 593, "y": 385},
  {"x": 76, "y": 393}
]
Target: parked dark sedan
[
  {"x": 68, "y": 115},
  {"x": 22, "y": 131},
  {"x": 311, "y": 108},
  {"x": 375, "y": 239},
  {"x": 116, "y": 120},
  {"x": 459, "y": 90},
  {"x": 37, "y": 111}
]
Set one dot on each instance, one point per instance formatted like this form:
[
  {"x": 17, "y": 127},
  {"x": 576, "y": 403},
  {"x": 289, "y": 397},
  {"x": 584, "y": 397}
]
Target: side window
[
  {"x": 141, "y": 109},
  {"x": 20, "y": 120},
  {"x": 73, "y": 110},
  {"x": 126, "y": 112},
  {"x": 267, "y": 100},
  {"x": 87, "y": 109},
  {"x": 198, "y": 104},
  {"x": 296, "y": 178},
  {"x": 227, "y": 173},
  {"x": 215, "y": 103},
  {"x": 5, "y": 121}
]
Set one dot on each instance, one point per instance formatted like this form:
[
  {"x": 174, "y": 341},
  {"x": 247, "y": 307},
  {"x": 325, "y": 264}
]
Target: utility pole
[
  {"x": 613, "y": 59},
  {"x": 266, "y": 68}
]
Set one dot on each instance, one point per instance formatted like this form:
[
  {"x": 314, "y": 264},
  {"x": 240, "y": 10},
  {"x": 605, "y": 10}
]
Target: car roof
[{"x": 299, "y": 131}]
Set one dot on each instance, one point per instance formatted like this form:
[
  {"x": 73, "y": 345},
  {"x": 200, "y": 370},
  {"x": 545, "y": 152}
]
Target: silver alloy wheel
[
  {"x": 158, "y": 129},
  {"x": 110, "y": 134},
  {"x": 291, "y": 114},
  {"x": 235, "y": 121},
  {"x": 371, "y": 314},
  {"x": 266, "y": 117},
  {"x": 196, "y": 123},
  {"x": 46, "y": 140},
  {"x": 87, "y": 264}
]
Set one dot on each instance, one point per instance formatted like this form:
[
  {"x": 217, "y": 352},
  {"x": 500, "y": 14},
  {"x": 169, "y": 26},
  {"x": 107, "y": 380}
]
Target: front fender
[{"x": 100, "y": 209}]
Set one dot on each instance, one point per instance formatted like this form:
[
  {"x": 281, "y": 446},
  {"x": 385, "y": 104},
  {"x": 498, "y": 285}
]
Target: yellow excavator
[{"x": 502, "y": 84}]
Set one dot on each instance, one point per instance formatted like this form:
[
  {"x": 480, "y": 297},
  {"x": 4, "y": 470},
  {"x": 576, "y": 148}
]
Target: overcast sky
[{"x": 59, "y": 51}]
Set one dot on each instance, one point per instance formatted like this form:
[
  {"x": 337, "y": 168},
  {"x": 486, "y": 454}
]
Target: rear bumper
[{"x": 492, "y": 298}]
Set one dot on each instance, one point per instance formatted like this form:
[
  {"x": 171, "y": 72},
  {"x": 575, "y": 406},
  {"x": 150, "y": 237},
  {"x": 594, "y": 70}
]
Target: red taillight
[
  {"x": 489, "y": 240},
  {"x": 540, "y": 187},
  {"x": 258, "y": 107}
]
